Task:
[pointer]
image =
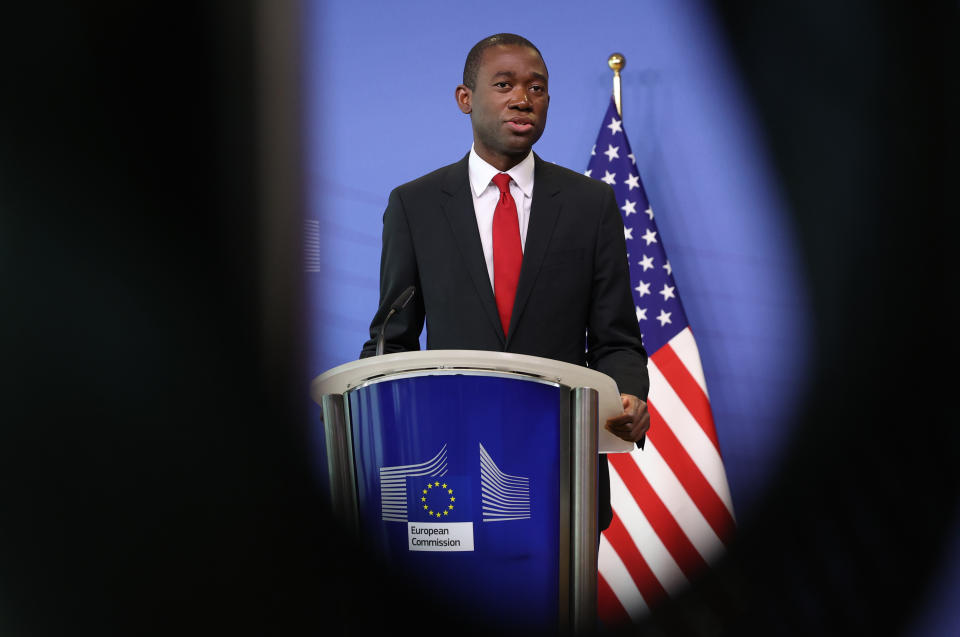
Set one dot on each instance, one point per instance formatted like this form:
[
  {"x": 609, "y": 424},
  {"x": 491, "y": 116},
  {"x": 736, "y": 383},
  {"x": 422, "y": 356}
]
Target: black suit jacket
[{"x": 573, "y": 300}]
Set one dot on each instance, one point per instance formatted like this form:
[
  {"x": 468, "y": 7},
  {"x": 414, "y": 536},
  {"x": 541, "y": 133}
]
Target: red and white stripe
[{"x": 672, "y": 513}]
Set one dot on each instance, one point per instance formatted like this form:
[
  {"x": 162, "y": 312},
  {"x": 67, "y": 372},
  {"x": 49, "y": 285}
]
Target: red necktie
[{"x": 507, "y": 251}]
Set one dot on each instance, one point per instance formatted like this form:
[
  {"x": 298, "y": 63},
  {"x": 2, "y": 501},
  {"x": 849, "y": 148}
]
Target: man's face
[{"x": 508, "y": 106}]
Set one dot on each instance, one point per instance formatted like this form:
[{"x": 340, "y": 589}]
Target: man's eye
[
  {"x": 536, "y": 88},
  {"x": 501, "y": 85}
]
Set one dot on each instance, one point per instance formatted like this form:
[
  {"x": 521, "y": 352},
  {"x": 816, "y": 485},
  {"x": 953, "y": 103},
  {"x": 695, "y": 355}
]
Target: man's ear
[{"x": 464, "y": 99}]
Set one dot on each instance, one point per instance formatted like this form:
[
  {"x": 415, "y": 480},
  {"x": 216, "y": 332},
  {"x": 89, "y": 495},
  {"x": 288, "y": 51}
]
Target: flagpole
[{"x": 616, "y": 61}]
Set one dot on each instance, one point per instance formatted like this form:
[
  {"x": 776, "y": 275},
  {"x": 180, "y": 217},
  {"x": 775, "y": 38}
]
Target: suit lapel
[
  {"x": 544, "y": 211},
  {"x": 458, "y": 208}
]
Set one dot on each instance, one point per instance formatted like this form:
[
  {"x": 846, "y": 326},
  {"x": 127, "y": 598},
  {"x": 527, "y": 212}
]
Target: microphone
[{"x": 402, "y": 301}]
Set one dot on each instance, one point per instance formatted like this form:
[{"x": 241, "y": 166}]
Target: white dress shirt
[{"x": 486, "y": 194}]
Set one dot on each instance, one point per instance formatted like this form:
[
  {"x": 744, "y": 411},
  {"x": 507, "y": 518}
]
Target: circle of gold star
[{"x": 447, "y": 501}]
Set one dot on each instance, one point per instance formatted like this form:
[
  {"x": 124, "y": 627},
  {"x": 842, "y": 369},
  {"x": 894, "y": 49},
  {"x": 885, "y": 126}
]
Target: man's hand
[{"x": 633, "y": 424}]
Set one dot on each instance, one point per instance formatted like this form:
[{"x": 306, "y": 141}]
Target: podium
[{"x": 475, "y": 474}]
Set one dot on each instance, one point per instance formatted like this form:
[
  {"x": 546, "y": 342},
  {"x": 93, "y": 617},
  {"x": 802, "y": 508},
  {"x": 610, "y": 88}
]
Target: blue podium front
[
  {"x": 475, "y": 475},
  {"x": 460, "y": 482}
]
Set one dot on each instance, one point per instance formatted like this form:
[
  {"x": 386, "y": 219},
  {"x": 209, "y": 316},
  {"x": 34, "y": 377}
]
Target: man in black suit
[{"x": 573, "y": 285}]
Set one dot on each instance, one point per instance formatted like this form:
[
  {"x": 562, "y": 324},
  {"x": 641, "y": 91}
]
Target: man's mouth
[{"x": 520, "y": 124}]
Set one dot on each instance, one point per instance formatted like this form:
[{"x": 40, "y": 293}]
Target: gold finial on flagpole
[{"x": 616, "y": 61}]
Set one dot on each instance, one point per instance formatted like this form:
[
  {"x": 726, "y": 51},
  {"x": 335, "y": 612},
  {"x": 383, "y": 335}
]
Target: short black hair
[{"x": 472, "y": 66}]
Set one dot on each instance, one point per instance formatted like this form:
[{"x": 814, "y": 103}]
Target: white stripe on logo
[
  {"x": 503, "y": 497},
  {"x": 393, "y": 484}
]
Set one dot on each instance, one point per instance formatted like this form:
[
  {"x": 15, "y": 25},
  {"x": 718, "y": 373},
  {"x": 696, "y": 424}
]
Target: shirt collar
[{"x": 482, "y": 173}]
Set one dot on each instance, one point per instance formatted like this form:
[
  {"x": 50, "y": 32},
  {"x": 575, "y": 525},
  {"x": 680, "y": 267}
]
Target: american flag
[{"x": 672, "y": 514}]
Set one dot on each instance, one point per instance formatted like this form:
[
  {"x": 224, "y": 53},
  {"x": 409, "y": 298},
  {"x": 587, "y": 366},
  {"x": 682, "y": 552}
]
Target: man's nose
[{"x": 520, "y": 100}]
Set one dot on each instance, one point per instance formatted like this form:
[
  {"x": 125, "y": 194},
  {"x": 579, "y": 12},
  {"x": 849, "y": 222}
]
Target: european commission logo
[{"x": 437, "y": 505}]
